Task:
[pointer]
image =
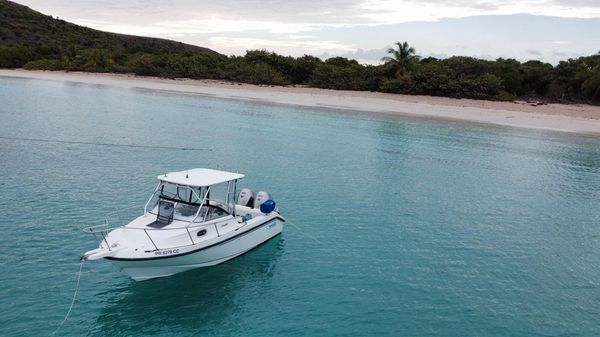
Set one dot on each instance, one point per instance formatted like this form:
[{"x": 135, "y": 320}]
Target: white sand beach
[{"x": 578, "y": 118}]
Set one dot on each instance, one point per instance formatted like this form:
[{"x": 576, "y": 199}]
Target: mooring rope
[
  {"x": 73, "y": 300},
  {"x": 104, "y": 144},
  {"x": 305, "y": 234}
]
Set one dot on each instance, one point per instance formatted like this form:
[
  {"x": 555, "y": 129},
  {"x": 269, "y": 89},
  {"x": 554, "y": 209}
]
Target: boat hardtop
[{"x": 199, "y": 177}]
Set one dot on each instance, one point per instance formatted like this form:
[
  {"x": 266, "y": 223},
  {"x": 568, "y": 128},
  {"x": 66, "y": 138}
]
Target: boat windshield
[
  {"x": 187, "y": 201},
  {"x": 180, "y": 193}
]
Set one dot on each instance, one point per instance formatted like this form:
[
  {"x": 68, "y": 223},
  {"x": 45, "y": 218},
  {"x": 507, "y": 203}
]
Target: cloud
[
  {"x": 149, "y": 13},
  {"x": 153, "y": 11},
  {"x": 492, "y": 36},
  {"x": 358, "y": 29},
  {"x": 305, "y": 46},
  {"x": 369, "y": 54},
  {"x": 576, "y": 3},
  {"x": 478, "y": 4},
  {"x": 559, "y": 54}
]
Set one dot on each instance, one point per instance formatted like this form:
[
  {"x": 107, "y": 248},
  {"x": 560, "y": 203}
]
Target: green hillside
[
  {"x": 31, "y": 40},
  {"x": 27, "y": 35}
]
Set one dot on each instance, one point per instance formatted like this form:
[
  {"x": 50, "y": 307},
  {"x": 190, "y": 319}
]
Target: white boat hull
[{"x": 238, "y": 244}]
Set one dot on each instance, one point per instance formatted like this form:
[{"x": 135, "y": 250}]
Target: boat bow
[{"x": 98, "y": 253}]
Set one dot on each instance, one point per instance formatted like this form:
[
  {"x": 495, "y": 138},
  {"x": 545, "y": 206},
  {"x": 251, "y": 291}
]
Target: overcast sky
[{"x": 360, "y": 29}]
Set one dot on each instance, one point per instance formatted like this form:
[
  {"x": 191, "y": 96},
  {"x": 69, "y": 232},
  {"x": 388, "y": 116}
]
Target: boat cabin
[{"x": 192, "y": 196}]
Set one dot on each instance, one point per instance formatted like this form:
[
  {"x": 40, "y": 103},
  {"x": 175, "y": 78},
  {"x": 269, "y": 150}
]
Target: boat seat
[
  {"x": 166, "y": 210},
  {"x": 241, "y": 210},
  {"x": 244, "y": 210}
]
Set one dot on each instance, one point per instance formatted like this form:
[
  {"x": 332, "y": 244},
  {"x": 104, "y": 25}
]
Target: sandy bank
[{"x": 559, "y": 117}]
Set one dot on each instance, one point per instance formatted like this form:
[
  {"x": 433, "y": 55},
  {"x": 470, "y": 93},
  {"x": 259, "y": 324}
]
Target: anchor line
[
  {"x": 41, "y": 140},
  {"x": 72, "y": 300},
  {"x": 305, "y": 234}
]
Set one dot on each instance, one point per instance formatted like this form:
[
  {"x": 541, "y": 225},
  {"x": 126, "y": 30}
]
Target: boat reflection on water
[{"x": 195, "y": 301}]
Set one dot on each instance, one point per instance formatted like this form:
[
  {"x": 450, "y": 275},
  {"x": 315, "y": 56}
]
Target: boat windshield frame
[{"x": 205, "y": 205}]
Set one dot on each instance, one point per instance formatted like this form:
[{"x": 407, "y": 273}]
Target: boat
[{"x": 194, "y": 218}]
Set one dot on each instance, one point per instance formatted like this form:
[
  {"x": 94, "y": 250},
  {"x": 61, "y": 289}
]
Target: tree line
[
  {"x": 32, "y": 40},
  {"x": 573, "y": 80}
]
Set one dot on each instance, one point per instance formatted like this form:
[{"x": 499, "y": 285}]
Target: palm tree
[{"x": 402, "y": 57}]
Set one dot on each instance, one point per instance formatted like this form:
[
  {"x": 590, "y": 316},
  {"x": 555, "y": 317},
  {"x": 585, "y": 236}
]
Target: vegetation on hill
[
  {"x": 31, "y": 40},
  {"x": 27, "y": 35}
]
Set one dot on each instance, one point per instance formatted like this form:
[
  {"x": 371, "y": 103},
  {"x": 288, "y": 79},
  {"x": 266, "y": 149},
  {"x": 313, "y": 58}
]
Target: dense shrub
[
  {"x": 45, "y": 64},
  {"x": 15, "y": 56}
]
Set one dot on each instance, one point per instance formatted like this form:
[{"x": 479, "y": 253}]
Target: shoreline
[{"x": 576, "y": 118}]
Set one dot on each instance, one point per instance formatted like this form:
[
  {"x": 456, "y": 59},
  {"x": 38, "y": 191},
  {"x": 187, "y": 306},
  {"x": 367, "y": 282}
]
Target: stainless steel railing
[{"x": 106, "y": 227}]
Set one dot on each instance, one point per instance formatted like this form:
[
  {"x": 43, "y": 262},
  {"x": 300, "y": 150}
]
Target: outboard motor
[
  {"x": 261, "y": 197},
  {"x": 246, "y": 197}
]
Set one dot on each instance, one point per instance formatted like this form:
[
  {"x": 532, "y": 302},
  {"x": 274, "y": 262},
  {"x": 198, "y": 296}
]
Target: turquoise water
[{"x": 401, "y": 226}]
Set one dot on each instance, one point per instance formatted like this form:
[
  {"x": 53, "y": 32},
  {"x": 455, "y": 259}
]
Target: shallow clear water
[{"x": 401, "y": 226}]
